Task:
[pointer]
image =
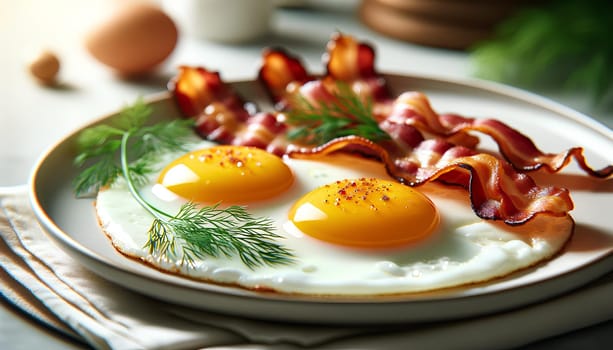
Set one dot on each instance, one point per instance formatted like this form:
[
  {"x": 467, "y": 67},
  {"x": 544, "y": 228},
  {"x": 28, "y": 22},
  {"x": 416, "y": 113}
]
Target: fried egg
[{"x": 353, "y": 230}]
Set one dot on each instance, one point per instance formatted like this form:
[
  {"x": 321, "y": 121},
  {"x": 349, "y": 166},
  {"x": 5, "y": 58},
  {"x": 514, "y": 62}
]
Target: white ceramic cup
[{"x": 228, "y": 21}]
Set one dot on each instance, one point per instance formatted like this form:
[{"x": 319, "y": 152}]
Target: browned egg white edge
[{"x": 264, "y": 290}]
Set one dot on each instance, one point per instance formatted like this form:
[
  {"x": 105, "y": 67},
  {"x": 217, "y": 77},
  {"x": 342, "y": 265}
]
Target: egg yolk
[
  {"x": 369, "y": 213},
  {"x": 232, "y": 174}
]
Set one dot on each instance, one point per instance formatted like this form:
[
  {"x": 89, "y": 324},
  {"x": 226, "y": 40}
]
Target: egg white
[{"x": 463, "y": 250}]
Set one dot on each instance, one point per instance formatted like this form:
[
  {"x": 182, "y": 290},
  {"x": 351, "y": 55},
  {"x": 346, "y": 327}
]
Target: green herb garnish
[
  {"x": 128, "y": 148},
  {"x": 99, "y": 145},
  {"x": 347, "y": 114}
]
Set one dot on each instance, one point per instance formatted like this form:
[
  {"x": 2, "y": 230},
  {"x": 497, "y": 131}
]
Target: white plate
[{"x": 71, "y": 222}]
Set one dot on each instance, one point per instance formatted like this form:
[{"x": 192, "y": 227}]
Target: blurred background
[
  {"x": 553, "y": 47},
  {"x": 66, "y": 62},
  {"x": 59, "y": 56}
]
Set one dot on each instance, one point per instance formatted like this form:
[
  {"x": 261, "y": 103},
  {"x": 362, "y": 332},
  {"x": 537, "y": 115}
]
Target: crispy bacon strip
[
  {"x": 219, "y": 111},
  {"x": 349, "y": 60},
  {"x": 353, "y": 62},
  {"x": 279, "y": 72},
  {"x": 497, "y": 191},
  {"x": 195, "y": 88},
  {"x": 413, "y": 108},
  {"x": 222, "y": 115}
]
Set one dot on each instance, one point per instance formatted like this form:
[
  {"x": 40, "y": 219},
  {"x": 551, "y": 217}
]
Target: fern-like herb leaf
[
  {"x": 345, "y": 114},
  {"x": 212, "y": 231}
]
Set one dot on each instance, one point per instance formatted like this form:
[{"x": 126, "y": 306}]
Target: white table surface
[{"x": 33, "y": 117}]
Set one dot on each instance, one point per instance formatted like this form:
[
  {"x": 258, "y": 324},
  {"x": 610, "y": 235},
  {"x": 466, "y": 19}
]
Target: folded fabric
[{"x": 53, "y": 288}]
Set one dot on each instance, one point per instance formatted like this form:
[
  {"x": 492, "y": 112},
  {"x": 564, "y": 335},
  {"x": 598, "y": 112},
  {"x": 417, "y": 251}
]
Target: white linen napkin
[{"x": 47, "y": 284}]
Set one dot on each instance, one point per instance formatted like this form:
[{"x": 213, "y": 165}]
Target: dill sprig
[
  {"x": 346, "y": 114},
  {"x": 98, "y": 147},
  {"x": 128, "y": 148},
  {"x": 211, "y": 231}
]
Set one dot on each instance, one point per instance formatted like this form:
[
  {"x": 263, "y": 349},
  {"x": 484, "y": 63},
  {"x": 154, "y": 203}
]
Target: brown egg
[{"x": 134, "y": 40}]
